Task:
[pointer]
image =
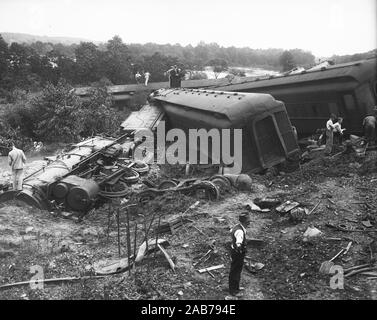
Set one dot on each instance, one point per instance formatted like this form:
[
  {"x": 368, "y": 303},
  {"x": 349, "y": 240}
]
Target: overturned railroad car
[
  {"x": 267, "y": 135},
  {"x": 348, "y": 90}
]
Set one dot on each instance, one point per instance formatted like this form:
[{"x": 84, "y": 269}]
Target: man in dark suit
[{"x": 238, "y": 251}]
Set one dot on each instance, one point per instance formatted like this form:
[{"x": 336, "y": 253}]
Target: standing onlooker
[
  {"x": 171, "y": 75},
  {"x": 175, "y": 77},
  {"x": 238, "y": 251},
  {"x": 369, "y": 125},
  {"x": 137, "y": 77},
  {"x": 146, "y": 76},
  {"x": 330, "y": 134},
  {"x": 16, "y": 160}
]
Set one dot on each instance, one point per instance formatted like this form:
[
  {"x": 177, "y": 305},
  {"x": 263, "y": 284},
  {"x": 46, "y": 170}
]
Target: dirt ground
[{"x": 344, "y": 186}]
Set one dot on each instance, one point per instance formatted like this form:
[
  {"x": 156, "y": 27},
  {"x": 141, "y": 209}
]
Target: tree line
[{"x": 33, "y": 65}]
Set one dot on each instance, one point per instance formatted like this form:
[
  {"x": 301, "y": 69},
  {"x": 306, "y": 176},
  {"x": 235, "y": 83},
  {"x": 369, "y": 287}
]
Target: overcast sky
[{"x": 324, "y": 27}]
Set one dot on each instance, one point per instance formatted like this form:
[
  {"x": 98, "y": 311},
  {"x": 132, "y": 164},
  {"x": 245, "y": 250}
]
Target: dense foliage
[{"x": 56, "y": 114}]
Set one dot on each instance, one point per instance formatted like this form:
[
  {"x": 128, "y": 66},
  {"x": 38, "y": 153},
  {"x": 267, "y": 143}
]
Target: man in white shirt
[
  {"x": 16, "y": 160},
  {"x": 238, "y": 251},
  {"x": 330, "y": 134},
  {"x": 146, "y": 76}
]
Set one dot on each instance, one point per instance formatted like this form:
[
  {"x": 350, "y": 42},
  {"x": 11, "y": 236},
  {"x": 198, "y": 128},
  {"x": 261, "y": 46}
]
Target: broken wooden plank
[
  {"x": 171, "y": 263},
  {"x": 211, "y": 268}
]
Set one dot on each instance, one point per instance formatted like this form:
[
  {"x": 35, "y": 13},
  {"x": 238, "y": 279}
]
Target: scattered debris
[
  {"x": 287, "y": 206},
  {"x": 315, "y": 207},
  {"x": 152, "y": 243},
  {"x": 367, "y": 223},
  {"x": 107, "y": 267},
  {"x": 267, "y": 203},
  {"x": 252, "y": 206},
  {"x": 171, "y": 263},
  {"x": 327, "y": 265},
  {"x": 311, "y": 232},
  {"x": 298, "y": 214},
  {"x": 357, "y": 271},
  {"x": 257, "y": 265},
  {"x": 201, "y": 259},
  {"x": 211, "y": 268},
  {"x": 171, "y": 226}
]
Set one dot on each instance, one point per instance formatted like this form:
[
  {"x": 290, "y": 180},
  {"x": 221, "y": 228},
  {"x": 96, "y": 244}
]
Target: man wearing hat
[{"x": 238, "y": 251}]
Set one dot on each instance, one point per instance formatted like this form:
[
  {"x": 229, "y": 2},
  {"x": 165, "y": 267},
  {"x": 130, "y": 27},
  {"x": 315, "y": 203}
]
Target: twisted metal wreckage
[{"x": 101, "y": 168}]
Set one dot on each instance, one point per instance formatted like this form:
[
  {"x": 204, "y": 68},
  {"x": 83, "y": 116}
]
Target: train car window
[
  {"x": 333, "y": 107},
  {"x": 349, "y": 102}
]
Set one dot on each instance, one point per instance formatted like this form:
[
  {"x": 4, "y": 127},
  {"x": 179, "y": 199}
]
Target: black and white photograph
[{"x": 188, "y": 155}]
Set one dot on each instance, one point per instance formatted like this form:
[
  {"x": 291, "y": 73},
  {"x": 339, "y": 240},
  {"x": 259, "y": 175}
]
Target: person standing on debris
[
  {"x": 338, "y": 131},
  {"x": 369, "y": 125},
  {"x": 330, "y": 134},
  {"x": 238, "y": 251},
  {"x": 146, "y": 76},
  {"x": 16, "y": 160}
]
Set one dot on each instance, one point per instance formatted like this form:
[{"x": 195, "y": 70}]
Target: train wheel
[
  {"x": 167, "y": 184},
  {"x": 118, "y": 190}
]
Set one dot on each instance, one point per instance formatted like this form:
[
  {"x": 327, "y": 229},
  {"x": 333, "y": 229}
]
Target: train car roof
[
  {"x": 237, "y": 107},
  {"x": 357, "y": 70}
]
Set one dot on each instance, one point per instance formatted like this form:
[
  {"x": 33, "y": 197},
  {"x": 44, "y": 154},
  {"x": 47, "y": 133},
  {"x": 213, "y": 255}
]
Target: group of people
[
  {"x": 138, "y": 77},
  {"x": 175, "y": 75},
  {"x": 334, "y": 130}
]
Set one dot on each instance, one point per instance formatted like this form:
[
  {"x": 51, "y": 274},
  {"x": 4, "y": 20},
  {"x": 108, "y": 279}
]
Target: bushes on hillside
[{"x": 58, "y": 115}]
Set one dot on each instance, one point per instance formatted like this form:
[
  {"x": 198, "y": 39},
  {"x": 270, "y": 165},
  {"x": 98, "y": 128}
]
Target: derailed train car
[
  {"x": 348, "y": 90},
  {"x": 101, "y": 168},
  {"x": 267, "y": 135}
]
